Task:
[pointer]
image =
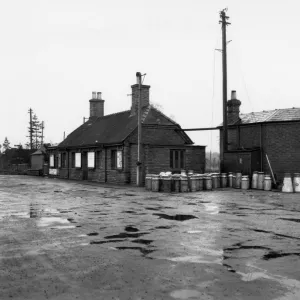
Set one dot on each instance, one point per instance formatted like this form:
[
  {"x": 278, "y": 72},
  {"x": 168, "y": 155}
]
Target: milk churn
[
  {"x": 233, "y": 179},
  {"x": 296, "y": 182},
  {"x": 230, "y": 175},
  {"x": 208, "y": 182},
  {"x": 214, "y": 179},
  {"x": 148, "y": 182},
  {"x": 183, "y": 173},
  {"x": 268, "y": 183},
  {"x": 238, "y": 179},
  {"x": 176, "y": 182},
  {"x": 287, "y": 183},
  {"x": 245, "y": 183},
  {"x": 254, "y": 180},
  {"x": 193, "y": 187},
  {"x": 197, "y": 182},
  {"x": 184, "y": 184},
  {"x": 223, "y": 180},
  {"x": 166, "y": 184},
  {"x": 155, "y": 183},
  {"x": 218, "y": 180},
  {"x": 260, "y": 180},
  {"x": 200, "y": 182}
]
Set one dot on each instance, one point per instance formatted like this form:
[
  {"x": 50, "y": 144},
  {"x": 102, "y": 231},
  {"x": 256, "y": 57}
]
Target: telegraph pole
[
  {"x": 138, "y": 167},
  {"x": 224, "y": 23},
  {"x": 42, "y": 135},
  {"x": 30, "y": 127}
]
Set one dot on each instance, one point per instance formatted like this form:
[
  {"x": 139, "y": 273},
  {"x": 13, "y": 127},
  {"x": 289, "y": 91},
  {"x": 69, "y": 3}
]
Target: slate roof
[
  {"x": 277, "y": 115},
  {"x": 114, "y": 128}
]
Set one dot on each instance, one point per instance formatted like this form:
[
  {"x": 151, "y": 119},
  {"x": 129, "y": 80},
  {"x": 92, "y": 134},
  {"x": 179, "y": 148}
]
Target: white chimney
[
  {"x": 94, "y": 95},
  {"x": 99, "y": 96}
]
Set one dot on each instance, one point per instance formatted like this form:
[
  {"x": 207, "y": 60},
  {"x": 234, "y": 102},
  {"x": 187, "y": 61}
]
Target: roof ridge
[
  {"x": 113, "y": 114},
  {"x": 168, "y": 118}
]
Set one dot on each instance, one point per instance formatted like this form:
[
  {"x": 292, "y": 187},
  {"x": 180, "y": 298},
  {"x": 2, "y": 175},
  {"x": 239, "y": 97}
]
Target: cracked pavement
[{"x": 63, "y": 239}]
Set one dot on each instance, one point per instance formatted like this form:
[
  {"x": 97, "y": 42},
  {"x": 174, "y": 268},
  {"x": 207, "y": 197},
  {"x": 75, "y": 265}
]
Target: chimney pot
[
  {"x": 233, "y": 95},
  {"x": 99, "y": 96},
  {"x": 94, "y": 95}
]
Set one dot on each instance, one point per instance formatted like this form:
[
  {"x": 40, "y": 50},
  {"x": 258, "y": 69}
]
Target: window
[
  {"x": 98, "y": 159},
  {"x": 51, "y": 160},
  {"x": 78, "y": 160},
  {"x": 91, "y": 160},
  {"x": 56, "y": 161},
  {"x": 59, "y": 160},
  {"x": 73, "y": 159},
  {"x": 177, "y": 159},
  {"x": 116, "y": 159},
  {"x": 64, "y": 160}
]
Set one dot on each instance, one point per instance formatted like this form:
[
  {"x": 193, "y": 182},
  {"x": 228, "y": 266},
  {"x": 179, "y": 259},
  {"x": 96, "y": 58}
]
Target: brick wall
[{"x": 280, "y": 142}]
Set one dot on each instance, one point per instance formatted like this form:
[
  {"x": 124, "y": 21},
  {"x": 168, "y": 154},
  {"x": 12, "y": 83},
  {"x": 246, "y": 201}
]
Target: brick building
[
  {"x": 251, "y": 136},
  {"x": 104, "y": 148}
]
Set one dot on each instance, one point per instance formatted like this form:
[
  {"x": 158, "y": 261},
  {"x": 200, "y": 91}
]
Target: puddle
[
  {"x": 153, "y": 208},
  {"x": 144, "y": 251},
  {"x": 229, "y": 268},
  {"x": 213, "y": 209},
  {"x": 124, "y": 235},
  {"x": 292, "y": 220},
  {"x": 62, "y": 227},
  {"x": 246, "y": 247},
  {"x": 196, "y": 259},
  {"x": 163, "y": 227},
  {"x": 47, "y": 221},
  {"x": 93, "y": 234},
  {"x": 186, "y": 294},
  {"x": 194, "y": 231},
  {"x": 274, "y": 254},
  {"x": 277, "y": 234},
  {"x": 131, "y": 229},
  {"x": 71, "y": 220},
  {"x": 141, "y": 241},
  {"x": 176, "y": 217},
  {"x": 105, "y": 242}
]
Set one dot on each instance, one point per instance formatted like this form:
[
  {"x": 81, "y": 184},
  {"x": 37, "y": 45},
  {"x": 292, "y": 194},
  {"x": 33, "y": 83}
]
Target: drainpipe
[
  {"x": 261, "y": 149},
  {"x": 105, "y": 165}
]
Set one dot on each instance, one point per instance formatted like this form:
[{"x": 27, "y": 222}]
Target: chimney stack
[
  {"x": 233, "y": 108},
  {"x": 145, "y": 99},
  {"x": 96, "y": 105}
]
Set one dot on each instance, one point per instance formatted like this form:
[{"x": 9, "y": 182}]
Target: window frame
[
  {"x": 114, "y": 159},
  {"x": 52, "y": 161},
  {"x": 92, "y": 159},
  {"x": 78, "y": 163},
  {"x": 177, "y": 159}
]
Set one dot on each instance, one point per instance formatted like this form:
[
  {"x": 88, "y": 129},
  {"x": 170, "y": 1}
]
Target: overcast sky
[{"x": 54, "y": 53}]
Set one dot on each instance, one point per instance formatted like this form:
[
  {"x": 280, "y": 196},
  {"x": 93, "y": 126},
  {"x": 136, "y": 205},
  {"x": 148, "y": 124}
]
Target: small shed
[{"x": 37, "y": 161}]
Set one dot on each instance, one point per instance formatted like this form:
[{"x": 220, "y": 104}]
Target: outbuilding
[{"x": 257, "y": 137}]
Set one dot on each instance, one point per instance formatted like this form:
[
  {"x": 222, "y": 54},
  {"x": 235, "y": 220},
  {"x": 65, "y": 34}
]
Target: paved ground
[{"x": 69, "y": 240}]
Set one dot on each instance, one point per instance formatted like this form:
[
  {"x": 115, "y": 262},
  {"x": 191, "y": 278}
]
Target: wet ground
[{"x": 72, "y": 240}]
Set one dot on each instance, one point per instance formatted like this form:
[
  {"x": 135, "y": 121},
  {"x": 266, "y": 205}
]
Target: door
[{"x": 84, "y": 166}]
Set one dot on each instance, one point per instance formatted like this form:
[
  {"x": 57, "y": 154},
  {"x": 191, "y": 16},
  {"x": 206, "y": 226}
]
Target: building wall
[
  {"x": 279, "y": 141},
  {"x": 156, "y": 159}
]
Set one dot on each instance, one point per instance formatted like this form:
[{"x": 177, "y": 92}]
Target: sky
[{"x": 54, "y": 53}]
